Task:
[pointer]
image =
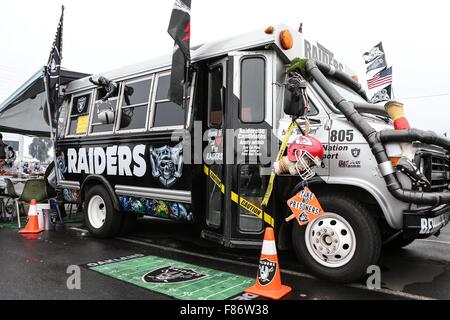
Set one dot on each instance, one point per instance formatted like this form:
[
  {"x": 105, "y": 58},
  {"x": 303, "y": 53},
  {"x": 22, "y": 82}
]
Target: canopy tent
[{"x": 23, "y": 111}]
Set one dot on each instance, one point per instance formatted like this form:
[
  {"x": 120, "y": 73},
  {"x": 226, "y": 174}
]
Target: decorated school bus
[{"x": 126, "y": 151}]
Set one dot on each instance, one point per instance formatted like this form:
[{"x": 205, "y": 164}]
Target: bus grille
[
  {"x": 436, "y": 168},
  {"x": 440, "y": 173}
]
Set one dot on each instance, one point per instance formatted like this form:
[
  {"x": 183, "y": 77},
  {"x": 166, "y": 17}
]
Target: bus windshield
[{"x": 346, "y": 92}]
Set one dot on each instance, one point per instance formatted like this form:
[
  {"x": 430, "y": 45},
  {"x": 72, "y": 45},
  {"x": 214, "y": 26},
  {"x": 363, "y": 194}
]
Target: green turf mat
[{"x": 176, "y": 279}]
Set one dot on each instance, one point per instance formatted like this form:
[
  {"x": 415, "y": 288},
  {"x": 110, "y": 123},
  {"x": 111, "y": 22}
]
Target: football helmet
[{"x": 306, "y": 152}]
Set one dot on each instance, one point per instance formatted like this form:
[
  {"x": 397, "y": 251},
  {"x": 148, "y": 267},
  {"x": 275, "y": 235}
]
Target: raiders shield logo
[
  {"x": 167, "y": 164},
  {"x": 356, "y": 153},
  {"x": 304, "y": 217},
  {"x": 171, "y": 274},
  {"x": 266, "y": 272},
  {"x": 81, "y": 104}
]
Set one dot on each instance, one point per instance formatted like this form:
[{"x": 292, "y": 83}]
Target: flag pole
[
  {"x": 185, "y": 86},
  {"x": 52, "y": 134},
  {"x": 47, "y": 93}
]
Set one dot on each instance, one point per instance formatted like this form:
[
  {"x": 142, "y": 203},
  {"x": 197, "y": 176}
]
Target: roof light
[
  {"x": 269, "y": 30},
  {"x": 286, "y": 39},
  {"x": 355, "y": 78}
]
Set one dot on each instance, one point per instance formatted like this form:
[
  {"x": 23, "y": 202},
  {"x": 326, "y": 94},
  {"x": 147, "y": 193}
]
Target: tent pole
[
  {"x": 47, "y": 94},
  {"x": 50, "y": 120}
]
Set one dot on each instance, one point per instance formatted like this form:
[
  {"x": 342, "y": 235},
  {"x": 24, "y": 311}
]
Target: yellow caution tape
[
  {"x": 243, "y": 203},
  {"x": 279, "y": 157},
  {"x": 250, "y": 207}
]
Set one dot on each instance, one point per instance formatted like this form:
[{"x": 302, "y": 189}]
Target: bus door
[
  {"x": 249, "y": 114},
  {"x": 213, "y": 157},
  {"x": 238, "y": 130}
]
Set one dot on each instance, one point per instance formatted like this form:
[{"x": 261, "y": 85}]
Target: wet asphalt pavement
[{"x": 36, "y": 269}]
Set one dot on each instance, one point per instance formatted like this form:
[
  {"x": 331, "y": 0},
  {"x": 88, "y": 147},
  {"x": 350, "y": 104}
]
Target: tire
[
  {"x": 398, "y": 243},
  {"x": 358, "y": 235},
  {"x": 100, "y": 217}
]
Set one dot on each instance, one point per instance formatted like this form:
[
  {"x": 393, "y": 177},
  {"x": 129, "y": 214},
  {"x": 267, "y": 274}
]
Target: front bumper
[{"x": 421, "y": 225}]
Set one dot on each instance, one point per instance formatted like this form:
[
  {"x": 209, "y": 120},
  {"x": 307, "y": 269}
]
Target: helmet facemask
[{"x": 305, "y": 163}]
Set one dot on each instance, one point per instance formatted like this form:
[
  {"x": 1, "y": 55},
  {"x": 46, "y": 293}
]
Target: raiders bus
[{"x": 125, "y": 151}]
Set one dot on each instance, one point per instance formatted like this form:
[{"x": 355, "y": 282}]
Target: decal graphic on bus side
[{"x": 166, "y": 162}]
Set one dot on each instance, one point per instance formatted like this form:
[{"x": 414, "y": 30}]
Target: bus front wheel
[
  {"x": 342, "y": 244},
  {"x": 101, "y": 219}
]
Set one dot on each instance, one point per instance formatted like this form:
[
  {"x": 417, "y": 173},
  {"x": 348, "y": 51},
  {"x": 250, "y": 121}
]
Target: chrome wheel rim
[{"x": 331, "y": 240}]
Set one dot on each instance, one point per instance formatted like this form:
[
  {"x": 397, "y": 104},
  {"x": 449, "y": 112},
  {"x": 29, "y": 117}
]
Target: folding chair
[{"x": 34, "y": 189}]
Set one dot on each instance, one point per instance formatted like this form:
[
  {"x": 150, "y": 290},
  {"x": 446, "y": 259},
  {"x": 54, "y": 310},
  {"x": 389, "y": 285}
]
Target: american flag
[{"x": 382, "y": 78}]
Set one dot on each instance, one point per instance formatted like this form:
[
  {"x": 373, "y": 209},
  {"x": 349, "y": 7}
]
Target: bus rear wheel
[
  {"x": 342, "y": 244},
  {"x": 100, "y": 217}
]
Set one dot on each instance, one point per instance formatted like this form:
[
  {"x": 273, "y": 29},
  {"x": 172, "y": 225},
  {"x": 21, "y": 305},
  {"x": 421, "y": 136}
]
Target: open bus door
[{"x": 239, "y": 109}]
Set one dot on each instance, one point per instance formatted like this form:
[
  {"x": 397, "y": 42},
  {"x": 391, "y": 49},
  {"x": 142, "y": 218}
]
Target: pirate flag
[
  {"x": 180, "y": 31},
  {"x": 53, "y": 68},
  {"x": 374, "y": 53},
  {"x": 378, "y": 63},
  {"x": 383, "y": 95}
]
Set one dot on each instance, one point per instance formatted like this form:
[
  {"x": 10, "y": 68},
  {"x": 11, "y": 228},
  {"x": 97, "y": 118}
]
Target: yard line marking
[
  {"x": 215, "y": 294},
  {"x": 435, "y": 241},
  {"x": 213, "y": 285},
  {"x": 246, "y": 264}
]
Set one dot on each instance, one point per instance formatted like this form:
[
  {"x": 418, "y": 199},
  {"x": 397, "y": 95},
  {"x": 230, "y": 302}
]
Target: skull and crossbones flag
[
  {"x": 383, "y": 95},
  {"x": 374, "y": 53},
  {"x": 53, "y": 68},
  {"x": 180, "y": 31}
]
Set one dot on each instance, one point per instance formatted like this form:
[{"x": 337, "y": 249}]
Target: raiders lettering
[
  {"x": 115, "y": 160},
  {"x": 322, "y": 54}
]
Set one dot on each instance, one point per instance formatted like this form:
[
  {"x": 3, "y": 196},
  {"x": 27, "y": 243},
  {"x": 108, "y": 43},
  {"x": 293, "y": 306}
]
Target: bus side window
[
  {"x": 253, "y": 90},
  {"x": 252, "y": 187},
  {"x": 167, "y": 113},
  {"x": 104, "y": 106},
  {"x": 79, "y": 115},
  {"x": 62, "y": 118},
  {"x": 215, "y": 97},
  {"x": 135, "y": 104}
]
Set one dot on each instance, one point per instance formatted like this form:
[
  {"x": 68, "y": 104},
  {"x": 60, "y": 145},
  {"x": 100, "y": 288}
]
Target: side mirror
[
  {"x": 294, "y": 97},
  {"x": 294, "y": 105}
]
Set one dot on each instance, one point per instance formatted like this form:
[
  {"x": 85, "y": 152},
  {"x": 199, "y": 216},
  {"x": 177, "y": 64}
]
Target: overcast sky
[{"x": 100, "y": 35}]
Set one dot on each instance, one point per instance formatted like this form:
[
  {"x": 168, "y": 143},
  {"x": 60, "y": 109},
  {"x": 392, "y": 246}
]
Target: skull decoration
[
  {"x": 167, "y": 164},
  {"x": 60, "y": 166}
]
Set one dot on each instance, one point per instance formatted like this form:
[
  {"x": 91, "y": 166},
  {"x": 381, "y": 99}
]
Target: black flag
[
  {"x": 383, "y": 95},
  {"x": 378, "y": 63},
  {"x": 374, "y": 53},
  {"x": 53, "y": 68},
  {"x": 180, "y": 31}
]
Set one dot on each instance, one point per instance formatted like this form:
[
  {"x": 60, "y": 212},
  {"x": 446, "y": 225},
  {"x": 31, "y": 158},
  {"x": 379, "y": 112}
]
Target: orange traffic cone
[
  {"x": 268, "y": 282},
  {"x": 33, "y": 222}
]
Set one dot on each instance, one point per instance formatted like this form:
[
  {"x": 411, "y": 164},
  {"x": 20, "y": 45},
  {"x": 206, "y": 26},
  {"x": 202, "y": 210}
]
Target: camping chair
[
  {"x": 10, "y": 196},
  {"x": 34, "y": 189}
]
